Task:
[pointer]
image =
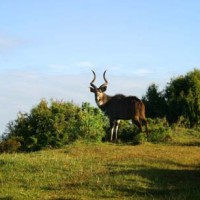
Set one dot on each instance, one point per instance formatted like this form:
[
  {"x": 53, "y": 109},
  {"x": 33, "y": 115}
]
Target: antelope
[{"x": 118, "y": 107}]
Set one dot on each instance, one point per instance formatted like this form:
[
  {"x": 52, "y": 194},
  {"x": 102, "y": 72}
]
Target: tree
[
  {"x": 154, "y": 102},
  {"x": 183, "y": 98}
]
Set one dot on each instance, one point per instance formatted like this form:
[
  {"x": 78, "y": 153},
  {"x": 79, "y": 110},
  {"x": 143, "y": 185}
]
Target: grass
[
  {"x": 104, "y": 171},
  {"x": 186, "y": 137}
]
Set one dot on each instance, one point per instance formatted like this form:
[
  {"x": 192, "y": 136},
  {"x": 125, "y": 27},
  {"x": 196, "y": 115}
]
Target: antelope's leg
[
  {"x": 116, "y": 128},
  {"x": 146, "y": 125},
  {"x": 136, "y": 121},
  {"x": 112, "y": 125},
  {"x": 112, "y": 131}
]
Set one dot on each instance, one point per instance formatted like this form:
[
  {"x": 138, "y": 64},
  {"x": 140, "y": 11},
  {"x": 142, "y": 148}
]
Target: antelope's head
[{"x": 99, "y": 94}]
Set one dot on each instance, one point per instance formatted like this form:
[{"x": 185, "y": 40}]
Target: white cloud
[
  {"x": 143, "y": 72},
  {"x": 85, "y": 64},
  {"x": 70, "y": 69},
  {"x": 57, "y": 67}
]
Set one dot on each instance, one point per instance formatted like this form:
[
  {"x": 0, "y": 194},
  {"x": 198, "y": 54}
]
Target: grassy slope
[{"x": 103, "y": 171}]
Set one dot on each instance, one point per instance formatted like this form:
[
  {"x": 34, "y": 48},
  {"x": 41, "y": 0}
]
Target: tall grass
[{"x": 103, "y": 171}]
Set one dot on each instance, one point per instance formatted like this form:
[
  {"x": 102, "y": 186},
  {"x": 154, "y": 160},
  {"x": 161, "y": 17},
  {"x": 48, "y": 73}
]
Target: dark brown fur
[{"x": 119, "y": 107}]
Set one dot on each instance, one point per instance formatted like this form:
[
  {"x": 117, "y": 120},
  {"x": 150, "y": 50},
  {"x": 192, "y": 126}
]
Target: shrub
[
  {"x": 140, "y": 138},
  {"x": 11, "y": 145},
  {"x": 159, "y": 130},
  {"x": 127, "y": 131},
  {"x": 91, "y": 124},
  {"x": 55, "y": 125}
]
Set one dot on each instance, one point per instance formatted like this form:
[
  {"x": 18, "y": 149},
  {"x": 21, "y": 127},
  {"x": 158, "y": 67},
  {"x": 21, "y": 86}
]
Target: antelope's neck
[{"x": 105, "y": 99}]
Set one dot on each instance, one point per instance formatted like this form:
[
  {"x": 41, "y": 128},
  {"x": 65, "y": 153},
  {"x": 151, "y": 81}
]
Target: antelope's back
[{"x": 122, "y": 107}]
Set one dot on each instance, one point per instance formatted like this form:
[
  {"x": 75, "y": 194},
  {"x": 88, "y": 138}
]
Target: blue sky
[{"x": 48, "y": 48}]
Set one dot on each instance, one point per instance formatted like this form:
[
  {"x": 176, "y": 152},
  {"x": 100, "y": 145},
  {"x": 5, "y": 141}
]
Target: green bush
[
  {"x": 11, "y": 145},
  {"x": 140, "y": 138},
  {"x": 56, "y": 124},
  {"x": 159, "y": 130},
  {"x": 127, "y": 131},
  {"x": 91, "y": 124}
]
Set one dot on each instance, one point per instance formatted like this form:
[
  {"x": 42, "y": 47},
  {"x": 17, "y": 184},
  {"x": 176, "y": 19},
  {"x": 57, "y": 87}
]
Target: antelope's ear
[
  {"x": 104, "y": 88},
  {"x": 92, "y": 89}
]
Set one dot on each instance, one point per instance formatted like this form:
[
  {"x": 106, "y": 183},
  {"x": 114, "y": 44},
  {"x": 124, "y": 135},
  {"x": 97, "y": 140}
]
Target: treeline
[
  {"x": 57, "y": 123},
  {"x": 180, "y": 100}
]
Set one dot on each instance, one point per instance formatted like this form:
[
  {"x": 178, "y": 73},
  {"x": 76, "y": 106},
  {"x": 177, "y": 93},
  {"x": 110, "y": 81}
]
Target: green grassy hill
[{"x": 103, "y": 171}]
